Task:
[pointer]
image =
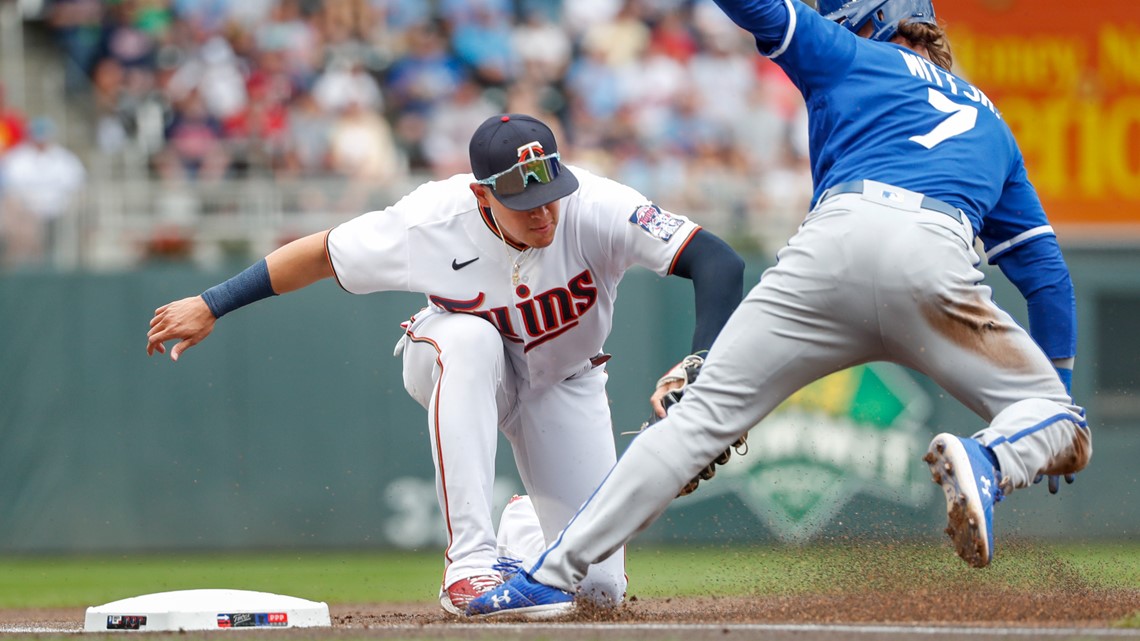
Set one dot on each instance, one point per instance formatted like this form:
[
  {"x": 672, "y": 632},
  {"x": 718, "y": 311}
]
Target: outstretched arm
[
  {"x": 717, "y": 273},
  {"x": 190, "y": 320}
]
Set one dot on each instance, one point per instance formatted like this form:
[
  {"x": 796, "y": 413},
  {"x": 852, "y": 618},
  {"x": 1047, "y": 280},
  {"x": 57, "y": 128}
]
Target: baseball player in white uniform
[{"x": 520, "y": 262}]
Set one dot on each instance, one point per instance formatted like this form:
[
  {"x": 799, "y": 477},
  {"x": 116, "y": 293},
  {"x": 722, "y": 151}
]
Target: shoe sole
[
  {"x": 966, "y": 522},
  {"x": 448, "y": 607},
  {"x": 534, "y": 612}
]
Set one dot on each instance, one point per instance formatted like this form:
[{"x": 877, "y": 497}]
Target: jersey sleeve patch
[{"x": 658, "y": 224}]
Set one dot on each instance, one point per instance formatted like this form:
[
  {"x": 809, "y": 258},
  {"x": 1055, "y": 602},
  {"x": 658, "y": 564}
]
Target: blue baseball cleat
[
  {"x": 971, "y": 486},
  {"x": 524, "y": 596}
]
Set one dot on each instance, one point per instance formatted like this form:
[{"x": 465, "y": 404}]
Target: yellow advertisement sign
[{"x": 1066, "y": 78}]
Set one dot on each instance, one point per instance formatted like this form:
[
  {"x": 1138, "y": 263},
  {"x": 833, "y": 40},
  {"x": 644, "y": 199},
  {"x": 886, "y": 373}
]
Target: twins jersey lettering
[{"x": 558, "y": 315}]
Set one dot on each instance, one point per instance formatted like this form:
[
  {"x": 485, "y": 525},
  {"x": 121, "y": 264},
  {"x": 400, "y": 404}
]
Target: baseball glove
[{"x": 686, "y": 371}]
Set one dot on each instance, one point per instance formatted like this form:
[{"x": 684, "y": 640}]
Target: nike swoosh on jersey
[{"x": 456, "y": 265}]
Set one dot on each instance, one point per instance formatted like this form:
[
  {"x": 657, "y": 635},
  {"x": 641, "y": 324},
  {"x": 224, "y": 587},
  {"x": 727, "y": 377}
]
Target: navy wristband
[{"x": 247, "y": 287}]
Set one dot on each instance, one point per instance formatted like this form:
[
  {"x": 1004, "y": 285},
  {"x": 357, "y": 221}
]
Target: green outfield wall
[{"x": 290, "y": 427}]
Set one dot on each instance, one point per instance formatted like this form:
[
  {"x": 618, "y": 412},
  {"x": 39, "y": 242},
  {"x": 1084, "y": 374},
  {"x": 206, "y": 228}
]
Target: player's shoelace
[{"x": 507, "y": 567}]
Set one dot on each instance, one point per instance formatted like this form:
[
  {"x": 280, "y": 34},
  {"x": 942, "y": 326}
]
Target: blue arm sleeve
[
  {"x": 1039, "y": 272},
  {"x": 717, "y": 273},
  {"x": 767, "y": 20}
]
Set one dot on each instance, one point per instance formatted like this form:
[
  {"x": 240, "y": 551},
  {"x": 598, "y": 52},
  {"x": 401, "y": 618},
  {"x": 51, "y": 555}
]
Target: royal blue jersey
[{"x": 879, "y": 111}]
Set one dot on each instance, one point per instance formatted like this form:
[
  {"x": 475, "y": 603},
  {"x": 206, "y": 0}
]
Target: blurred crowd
[
  {"x": 39, "y": 182},
  {"x": 667, "y": 96}
]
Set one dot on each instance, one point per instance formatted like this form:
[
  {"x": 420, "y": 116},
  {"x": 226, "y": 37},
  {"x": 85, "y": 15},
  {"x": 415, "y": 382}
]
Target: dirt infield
[
  {"x": 857, "y": 592},
  {"x": 1089, "y": 609},
  {"x": 717, "y": 617}
]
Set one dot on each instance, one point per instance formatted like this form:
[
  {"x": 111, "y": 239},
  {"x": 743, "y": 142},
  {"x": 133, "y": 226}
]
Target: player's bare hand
[
  {"x": 660, "y": 392},
  {"x": 188, "y": 321}
]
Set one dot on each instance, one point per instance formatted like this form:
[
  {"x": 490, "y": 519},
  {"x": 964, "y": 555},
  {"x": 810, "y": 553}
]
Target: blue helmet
[{"x": 885, "y": 14}]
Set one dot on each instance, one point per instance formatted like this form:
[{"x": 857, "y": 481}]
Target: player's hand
[
  {"x": 1066, "y": 376},
  {"x": 659, "y": 394},
  {"x": 1055, "y": 481},
  {"x": 674, "y": 381},
  {"x": 189, "y": 321}
]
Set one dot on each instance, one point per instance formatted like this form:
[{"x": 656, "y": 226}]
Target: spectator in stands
[
  {"x": 78, "y": 26},
  {"x": 450, "y": 126},
  {"x": 128, "y": 37},
  {"x": 550, "y": 10},
  {"x": 295, "y": 37},
  {"x": 11, "y": 125},
  {"x": 248, "y": 14},
  {"x": 542, "y": 47},
  {"x": 362, "y": 149},
  {"x": 416, "y": 83},
  {"x": 195, "y": 144},
  {"x": 209, "y": 16},
  {"x": 41, "y": 182},
  {"x": 595, "y": 91},
  {"x": 722, "y": 75},
  {"x": 580, "y": 15},
  {"x": 425, "y": 75},
  {"x": 346, "y": 82},
  {"x": 308, "y": 140},
  {"x": 620, "y": 40},
  {"x": 652, "y": 88},
  {"x": 673, "y": 37},
  {"x": 307, "y": 162},
  {"x": 216, "y": 74},
  {"x": 483, "y": 43},
  {"x": 257, "y": 134},
  {"x": 458, "y": 13},
  {"x": 397, "y": 16}
]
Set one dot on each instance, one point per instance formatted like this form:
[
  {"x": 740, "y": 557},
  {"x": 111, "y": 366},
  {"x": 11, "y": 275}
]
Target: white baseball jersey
[{"x": 436, "y": 240}]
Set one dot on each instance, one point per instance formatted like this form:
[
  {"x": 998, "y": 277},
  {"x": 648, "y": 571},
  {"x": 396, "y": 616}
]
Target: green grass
[
  {"x": 322, "y": 576},
  {"x": 364, "y": 577}
]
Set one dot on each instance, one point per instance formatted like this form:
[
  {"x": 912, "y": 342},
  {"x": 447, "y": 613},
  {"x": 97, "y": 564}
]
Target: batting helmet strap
[{"x": 884, "y": 14}]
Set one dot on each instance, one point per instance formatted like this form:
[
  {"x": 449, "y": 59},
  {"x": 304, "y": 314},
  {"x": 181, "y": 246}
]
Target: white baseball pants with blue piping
[{"x": 863, "y": 280}]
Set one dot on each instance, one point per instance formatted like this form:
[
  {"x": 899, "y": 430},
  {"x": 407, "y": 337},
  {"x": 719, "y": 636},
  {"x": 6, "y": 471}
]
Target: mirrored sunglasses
[{"x": 514, "y": 180}]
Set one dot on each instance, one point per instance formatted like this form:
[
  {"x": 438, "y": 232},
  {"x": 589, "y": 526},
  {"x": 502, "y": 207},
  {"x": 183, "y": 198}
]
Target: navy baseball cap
[{"x": 516, "y": 155}]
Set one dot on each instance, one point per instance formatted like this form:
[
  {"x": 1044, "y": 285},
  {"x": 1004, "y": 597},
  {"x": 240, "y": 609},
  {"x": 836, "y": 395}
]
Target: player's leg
[
  {"x": 455, "y": 366},
  {"x": 563, "y": 447},
  {"x": 520, "y": 537},
  {"x": 791, "y": 329},
  {"x": 942, "y": 321}
]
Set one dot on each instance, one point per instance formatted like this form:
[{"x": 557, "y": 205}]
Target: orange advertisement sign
[{"x": 1066, "y": 77}]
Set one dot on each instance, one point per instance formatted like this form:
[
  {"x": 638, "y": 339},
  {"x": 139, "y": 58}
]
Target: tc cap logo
[{"x": 530, "y": 151}]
